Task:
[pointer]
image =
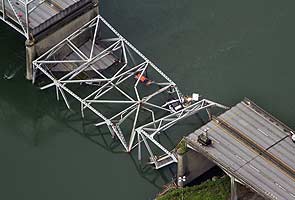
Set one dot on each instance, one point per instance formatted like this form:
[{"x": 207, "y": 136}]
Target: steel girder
[{"x": 82, "y": 73}]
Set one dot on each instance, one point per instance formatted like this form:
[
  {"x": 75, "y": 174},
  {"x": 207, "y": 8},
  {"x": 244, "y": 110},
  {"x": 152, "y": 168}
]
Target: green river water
[{"x": 225, "y": 50}]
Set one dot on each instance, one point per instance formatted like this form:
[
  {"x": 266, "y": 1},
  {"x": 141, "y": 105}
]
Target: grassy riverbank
[{"x": 209, "y": 190}]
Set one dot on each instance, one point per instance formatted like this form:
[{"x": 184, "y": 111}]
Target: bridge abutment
[{"x": 192, "y": 165}]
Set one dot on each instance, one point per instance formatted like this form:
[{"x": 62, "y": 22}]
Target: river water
[{"x": 225, "y": 50}]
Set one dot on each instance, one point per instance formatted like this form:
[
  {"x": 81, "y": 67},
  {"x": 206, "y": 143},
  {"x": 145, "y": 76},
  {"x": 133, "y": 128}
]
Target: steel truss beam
[{"x": 143, "y": 100}]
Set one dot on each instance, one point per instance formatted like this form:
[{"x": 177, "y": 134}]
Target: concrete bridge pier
[
  {"x": 30, "y": 56},
  {"x": 181, "y": 171},
  {"x": 234, "y": 185},
  {"x": 41, "y": 43}
]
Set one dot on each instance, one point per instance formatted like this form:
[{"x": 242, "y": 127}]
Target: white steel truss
[{"x": 114, "y": 81}]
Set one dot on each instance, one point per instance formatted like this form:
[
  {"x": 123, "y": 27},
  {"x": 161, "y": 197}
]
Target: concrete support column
[
  {"x": 30, "y": 56},
  {"x": 234, "y": 185},
  {"x": 181, "y": 169}
]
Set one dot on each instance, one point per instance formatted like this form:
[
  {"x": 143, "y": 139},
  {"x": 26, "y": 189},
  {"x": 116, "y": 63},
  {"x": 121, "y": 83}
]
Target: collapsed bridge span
[{"x": 114, "y": 81}]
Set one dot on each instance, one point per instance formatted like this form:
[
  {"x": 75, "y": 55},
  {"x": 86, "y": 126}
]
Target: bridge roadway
[
  {"x": 37, "y": 16},
  {"x": 253, "y": 147}
]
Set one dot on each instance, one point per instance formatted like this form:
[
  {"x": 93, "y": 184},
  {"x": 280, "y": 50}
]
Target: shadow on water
[
  {"x": 41, "y": 114},
  {"x": 102, "y": 138}
]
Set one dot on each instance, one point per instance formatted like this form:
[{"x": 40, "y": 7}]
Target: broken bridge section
[{"x": 116, "y": 83}]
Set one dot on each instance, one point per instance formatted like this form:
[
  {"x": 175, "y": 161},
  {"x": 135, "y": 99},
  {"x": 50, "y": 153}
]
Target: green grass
[
  {"x": 210, "y": 190},
  {"x": 181, "y": 147}
]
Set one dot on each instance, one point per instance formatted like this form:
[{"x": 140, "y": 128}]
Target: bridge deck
[
  {"x": 254, "y": 147},
  {"x": 42, "y": 14},
  {"x": 85, "y": 49}
]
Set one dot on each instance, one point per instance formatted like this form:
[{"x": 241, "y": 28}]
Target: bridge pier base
[{"x": 234, "y": 185}]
